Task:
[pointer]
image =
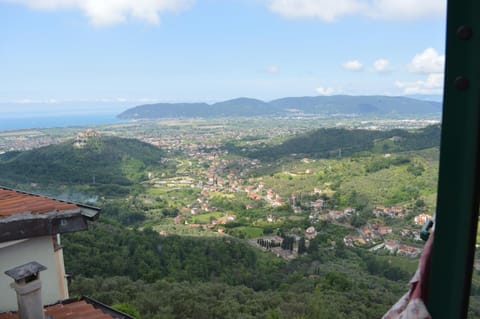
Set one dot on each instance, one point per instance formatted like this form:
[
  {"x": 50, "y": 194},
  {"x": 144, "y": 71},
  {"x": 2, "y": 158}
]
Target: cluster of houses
[
  {"x": 392, "y": 246},
  {"x": 372, "y": 234},
  {"x": 369, "y": 234},
  {"x": 335, "y": 215},
  {"x": 395, "y": 247},
  {"x": 259, "y": 193},
  {"x": 377, "y": 235},
  {"x": 421, "y": 219},
  {"x": 392, "y": 211},
  {"x": 25, "y": 140},
  {"x": 229, "y": 175}
]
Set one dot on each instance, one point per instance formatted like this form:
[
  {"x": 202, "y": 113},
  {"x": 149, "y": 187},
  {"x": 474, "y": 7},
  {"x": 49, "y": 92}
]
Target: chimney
[{"x": 29, "y": 289}]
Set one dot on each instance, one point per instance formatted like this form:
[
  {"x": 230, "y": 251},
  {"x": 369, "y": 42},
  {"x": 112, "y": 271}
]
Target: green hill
[
  {"x": 331, "y": 142},
  {"x": 99, "y": 161}
]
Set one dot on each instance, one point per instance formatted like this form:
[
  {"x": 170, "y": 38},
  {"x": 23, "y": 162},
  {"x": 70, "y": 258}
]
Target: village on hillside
[{"x": 208, "y": 179}]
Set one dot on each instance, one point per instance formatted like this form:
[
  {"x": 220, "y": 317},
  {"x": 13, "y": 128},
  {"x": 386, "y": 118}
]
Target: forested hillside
[
  {"x": 227, "y": 278},
  {"x": 333, "y": 142},
  {"x": 108, "y": 250},
  {"x": 103, "y": 162},
  {"x": 181, "y": 277}
]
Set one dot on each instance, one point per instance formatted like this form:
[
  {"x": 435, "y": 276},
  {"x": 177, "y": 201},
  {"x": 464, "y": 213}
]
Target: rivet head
[
  {"x": 464, "y": 32},
  {"x": 462, "y": 83}
]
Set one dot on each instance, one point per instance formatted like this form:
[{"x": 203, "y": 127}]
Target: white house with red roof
[{"x": 32, "y": 271}]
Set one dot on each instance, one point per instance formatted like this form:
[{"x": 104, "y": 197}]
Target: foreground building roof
[
  {"x": 24, "y": 215},
  {"x": 84, "y": 308}
]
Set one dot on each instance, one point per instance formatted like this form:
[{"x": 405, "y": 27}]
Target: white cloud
[
  {"x": 24, "y": 101},
  {"x": 330, "y": 10},
  {"x": 407, "y": 9},
  {"x": 326, "y": 10},
  {"x": 325, "y": 90},
  {"x": 382, "y": 66},
  {"x": 147, "y": 100},
  {"x": 353, "y": 65},
  {"x": 433, "y": 84},
  {"x": 77, "y": 100},
  {"x": 272, "y": 69},
  {"x": 109, "y": 12},
  {"x": 428, "y": 61},
  {"x": 36, "y": 101}
]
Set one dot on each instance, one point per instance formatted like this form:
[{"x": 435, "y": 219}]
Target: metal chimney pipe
[{"x": 28, "y": 287}]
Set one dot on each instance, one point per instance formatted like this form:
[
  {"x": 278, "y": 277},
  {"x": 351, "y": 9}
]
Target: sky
[{"x": 107, "y": 55}]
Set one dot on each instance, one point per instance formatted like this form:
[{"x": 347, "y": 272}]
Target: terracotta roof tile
[
  {"x": 13, "y": 202},
  {"x": 74, "y": 310},
  {"x": 24, "y": 215}
]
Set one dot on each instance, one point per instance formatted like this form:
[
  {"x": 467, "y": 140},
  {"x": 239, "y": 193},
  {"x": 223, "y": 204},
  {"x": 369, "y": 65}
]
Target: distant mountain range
[
  {"x": 426, "y": 97},
  {"x": 289, "y": 106}
]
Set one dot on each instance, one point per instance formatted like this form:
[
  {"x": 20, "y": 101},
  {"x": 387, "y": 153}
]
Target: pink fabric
[{"x": 412, "y": 304}]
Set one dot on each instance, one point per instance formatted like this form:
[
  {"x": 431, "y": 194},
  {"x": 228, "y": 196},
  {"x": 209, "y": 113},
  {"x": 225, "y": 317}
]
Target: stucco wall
[{"x": 39, "y": 249}]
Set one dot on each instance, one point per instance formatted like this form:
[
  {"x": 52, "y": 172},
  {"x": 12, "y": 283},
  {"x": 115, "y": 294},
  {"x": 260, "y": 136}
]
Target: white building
[{"x": 30, "y": 228}]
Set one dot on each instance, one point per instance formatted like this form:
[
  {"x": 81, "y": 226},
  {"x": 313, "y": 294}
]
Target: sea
[{"x": 38, "y": 122}]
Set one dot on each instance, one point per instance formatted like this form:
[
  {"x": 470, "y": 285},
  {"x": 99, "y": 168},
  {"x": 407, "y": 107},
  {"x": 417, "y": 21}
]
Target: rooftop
[
  {"x": 84, "y": 308},
  {"x": 14, "y": 202},
  {"x": 24, "y": 215}
]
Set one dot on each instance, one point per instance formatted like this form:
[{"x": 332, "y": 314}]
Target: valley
[{"x": 305, "y": 204}]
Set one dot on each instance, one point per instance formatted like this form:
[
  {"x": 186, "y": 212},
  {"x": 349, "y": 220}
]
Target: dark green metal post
[{"x": 458, "y": 188}]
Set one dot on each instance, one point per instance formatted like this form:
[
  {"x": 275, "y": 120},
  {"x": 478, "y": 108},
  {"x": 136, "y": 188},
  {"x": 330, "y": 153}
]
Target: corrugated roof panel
[
  {"x": 14, "y": 202},
  {"x": 25, "y": 215}
]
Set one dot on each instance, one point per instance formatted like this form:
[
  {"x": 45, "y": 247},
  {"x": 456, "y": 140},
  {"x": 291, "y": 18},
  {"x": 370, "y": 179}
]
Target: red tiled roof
[
  {"x": 79, "y": 309},
  {"x": 74, "y": 310},
  {"x": 24, "y": 215},
  {"x": 14, "y": 202}
]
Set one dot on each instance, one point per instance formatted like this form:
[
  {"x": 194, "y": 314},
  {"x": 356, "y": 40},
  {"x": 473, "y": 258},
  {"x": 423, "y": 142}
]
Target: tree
[
  {"x": 301, "y": 246},
  {"x": 358, "y": 221}
]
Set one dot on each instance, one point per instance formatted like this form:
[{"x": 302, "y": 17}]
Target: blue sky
[{"x": 110, "y": 54}]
